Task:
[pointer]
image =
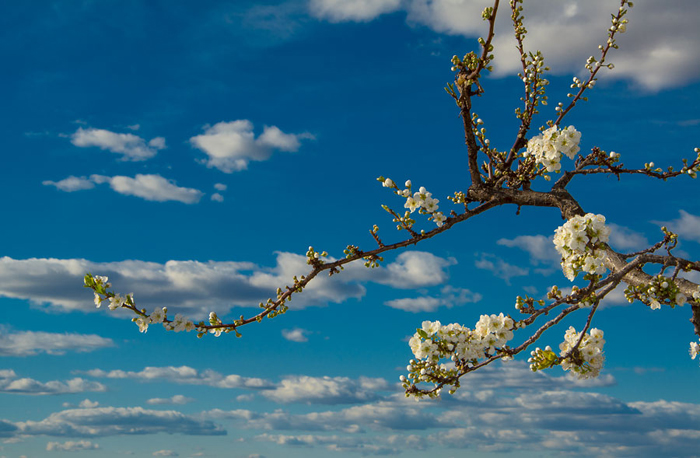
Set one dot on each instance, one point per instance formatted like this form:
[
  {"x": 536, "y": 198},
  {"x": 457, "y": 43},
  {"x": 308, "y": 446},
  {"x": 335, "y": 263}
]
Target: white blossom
[
  {"x": 439, "y": 218},
  {"x": 694, "y": 349},
  {"x": 158, "y": 315},
  {"x": 590, "y": 351},
  {"x": 434, "y": 341},
  {"x": 142, "y": 322},
  {"x": 579, "y": 241},
  {"x": 115, "y": 302},
  {"x": 548, "y": 147}
]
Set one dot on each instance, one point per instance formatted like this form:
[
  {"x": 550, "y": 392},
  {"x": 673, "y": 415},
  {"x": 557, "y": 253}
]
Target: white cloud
[
  {"x": 415, "y": 304},
  {"x": 333, "y": 443},
  {"x": 149, "y": 187},
  {"x": 499, "y": 267},
  {"x": 415, "y": 269},
  {"x": 220, "y": 187},
  {"x": 325, "y": 390},
  {"x": 165, "y": 453},
  {"x": 449, "y": 297},
  {"x": 130, "y": 146},
  {"x": 623, "y": 238},
  {"x": 88, "y": 404},
  {"x": 351, "y": 10},
  {"x": 216, "y": 197},
  {"x": 84, "y": 404},
  {"x": 198, "y": 287},
  {"x": 109, "y": 421},
  {"x": 185, "y": 375},
  {"x": 566, "y": 31},
  {"x": 71, "y": 446},
  {"x": 10, "y": 383},
  {"x": 273, "y": 137},
  {"x": 540, "y": 248},
  {"x": 28, "y": 343},
  {"x": 230, "y": 146},
  {"x": 501, "y": 405},
  {"x": 295, "y": 335},
  {"x": 501, "y": 408},
  {"x": 292, "y": 389},
  {"x": 381, "y": 416},
  {"x": 687, "y": 226},
  {"x": 176, "y": 399},
  {"x": 157, "y": 143},
  {"x": 71, "y": 184}
]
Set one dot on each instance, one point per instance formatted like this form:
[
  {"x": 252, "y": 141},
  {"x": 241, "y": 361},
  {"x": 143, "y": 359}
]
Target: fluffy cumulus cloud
[
  {"x": 192, "y": 287},
  {"x": 165, "y": 453},
  {"x": 292, "y": 389},
  {"x": 88, "y": 404},
  {"x": 177, "y": 399},
  {"x": 501, "y": 409},
  {"x": 566, "y": 31},
  {"x": 325, "y": 390},
  {"x": 377, "y": 416},
  {"x": 71, "y": 184},
  {"x": 28, "y": 343},
  {"x": 333, "y": 443},
  {"x": 623, "y": 238},
  {"x": 11, "y": 383},
  {"x": 71, "y": 446},
  {"x": 151, "y": 187},
  {"x": 351, "y": 10},
  {"x": 231, "y": 146},
  {"x": 84, "y": 404},
  {"x": 449, "y": 297},
  {"x": 687, "y": 226},
  {"x": 540, "y": 248},
  {"x": 295, "y": 335},
  {"x": 130, "y": 146},
  {"x": 184, "y": 375},
  {"x": 414, "y": 269},
  {"x": 109, "y": 421},
  {"x": 146, "y": 186},
  {"x": 499, "y": 267}
]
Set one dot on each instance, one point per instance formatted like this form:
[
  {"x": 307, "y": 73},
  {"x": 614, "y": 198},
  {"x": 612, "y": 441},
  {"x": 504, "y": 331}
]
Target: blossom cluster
[
  {"x": 99, "y": 285},
  {"x": 548, "y": 147},
  {"x": 159, "y": 316},
  {"x": 422, "y": 200},
  {"x": 434, "y": 342},
  {"x": 580, "y": 241},
  {"x": 694, "y": 349},
  {"x": 587, "y": 360}
]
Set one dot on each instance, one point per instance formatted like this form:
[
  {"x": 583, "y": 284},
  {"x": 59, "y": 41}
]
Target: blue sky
[{"x": 193, "y": 152}]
